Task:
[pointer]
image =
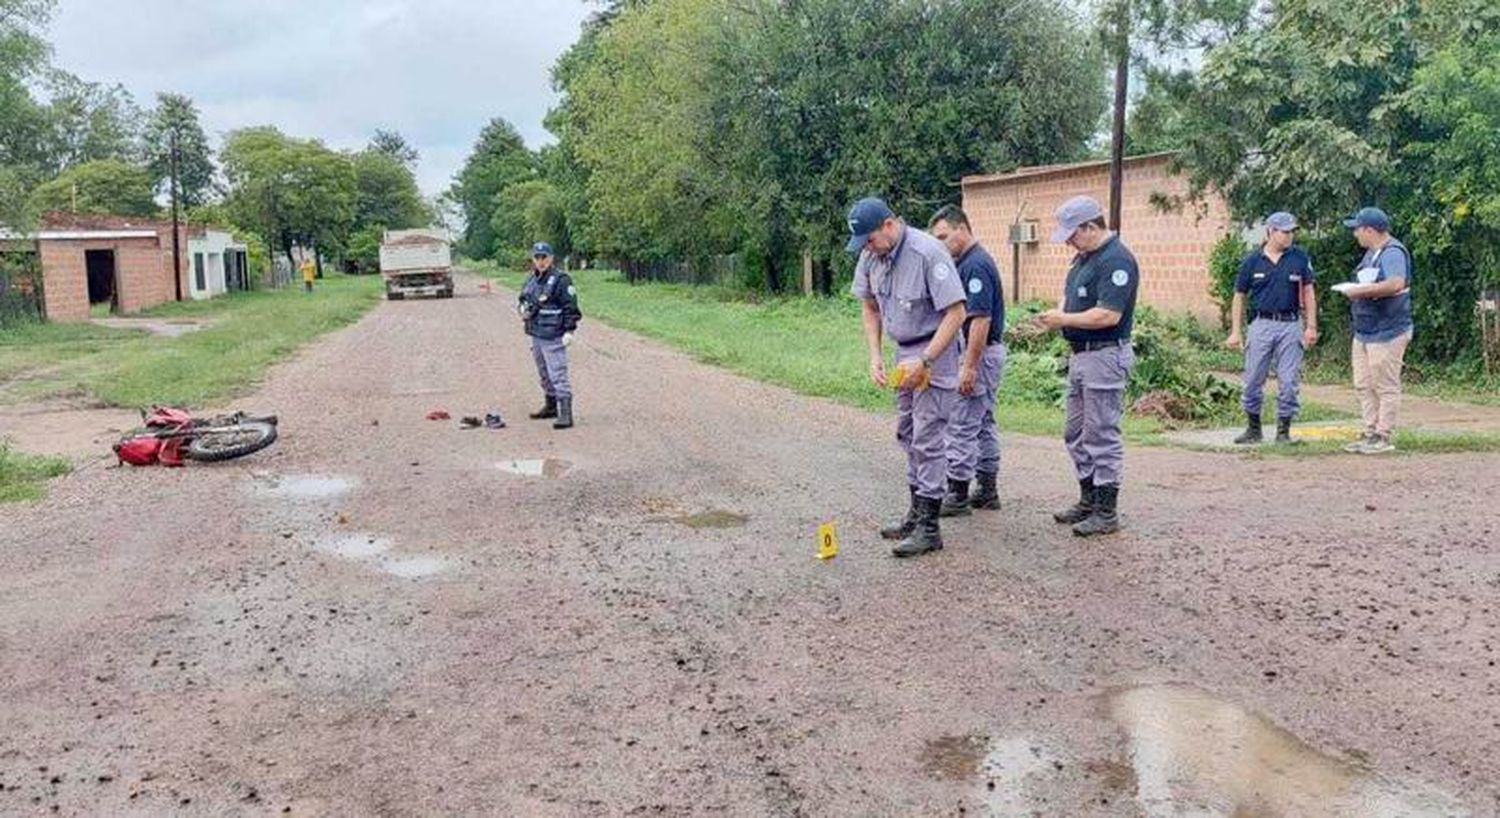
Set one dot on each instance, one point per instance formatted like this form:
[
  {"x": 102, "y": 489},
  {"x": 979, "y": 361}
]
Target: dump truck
[{"x": 416, "y": 262}]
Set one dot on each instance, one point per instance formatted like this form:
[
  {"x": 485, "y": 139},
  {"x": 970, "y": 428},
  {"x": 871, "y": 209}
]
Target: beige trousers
[{"x": 1377, "y": 379}]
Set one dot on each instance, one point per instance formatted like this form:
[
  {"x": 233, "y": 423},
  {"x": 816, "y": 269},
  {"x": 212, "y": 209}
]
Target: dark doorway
[
  {"x": 198, "y": 277},
  {"x": 102, "y": 280}
]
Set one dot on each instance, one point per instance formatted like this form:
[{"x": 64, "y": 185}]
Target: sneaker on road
[
  {"x": 1378, "y": 445},
  {"x": 1358, "y": 446}
]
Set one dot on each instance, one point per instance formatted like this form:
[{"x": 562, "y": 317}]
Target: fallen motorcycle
[{"x": 171, "y": 435}]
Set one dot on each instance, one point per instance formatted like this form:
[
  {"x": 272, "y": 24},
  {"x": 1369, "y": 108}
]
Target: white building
[{"x": 216, "y": 264}]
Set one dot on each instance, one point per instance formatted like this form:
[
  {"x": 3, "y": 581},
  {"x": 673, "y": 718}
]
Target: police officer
[
  {"x": 1095, "y": 316},
  {"x": 973, "y": 443},
  {"x": 549, "y": 308},
  {"x": 1380, "y": 303},
  {"x": 907, "y": 284},
  {"x": 1278, "y": 276}
]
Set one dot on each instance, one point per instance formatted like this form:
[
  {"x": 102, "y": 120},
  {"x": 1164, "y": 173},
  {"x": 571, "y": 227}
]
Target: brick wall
[
  {"x": 1172, "y": 247},
  {"x": 142, "y": 275}
]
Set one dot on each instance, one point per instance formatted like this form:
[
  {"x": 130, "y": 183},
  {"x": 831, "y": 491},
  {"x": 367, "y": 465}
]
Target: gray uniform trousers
[
  {"x": 1281, "y": 342},
  {"x": 922, "y": 430},
  {"x": 973, "y": 440},
  {"x": 1096, "y": 403},
  {"x": 552, "y": 367}
]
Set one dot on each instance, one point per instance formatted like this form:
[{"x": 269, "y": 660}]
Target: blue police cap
[
  {"x": 1283, "y": 221},
  {"x": 865, "y": 218},
  {"x": 1370, "y": 217},
  {"x": 541, "y": 248},
  {"x": 1075, "y": 213}
]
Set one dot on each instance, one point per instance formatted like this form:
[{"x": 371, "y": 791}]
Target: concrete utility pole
[
  {"x": 176, "y": 228},
  {"x": 1122, "y": 85}
]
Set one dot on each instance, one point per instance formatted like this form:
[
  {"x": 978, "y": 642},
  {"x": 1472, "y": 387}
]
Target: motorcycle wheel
[{"x": 229, "y": 442}]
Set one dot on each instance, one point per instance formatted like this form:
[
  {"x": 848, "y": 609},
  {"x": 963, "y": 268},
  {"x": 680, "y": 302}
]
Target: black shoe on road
[
  {"x": 1080, "y": 510},
  {"x": 925, "y": 535},
  {"x": 903, "y": 529},
  {"x": 548, "y": 410},
  {"x": 956, "y": 502},
  {"x": 985, "y": 496},
  {"x": 1105, "y": 519}
]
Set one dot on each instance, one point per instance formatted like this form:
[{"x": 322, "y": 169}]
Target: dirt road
[{"x": 381, "y": 617}]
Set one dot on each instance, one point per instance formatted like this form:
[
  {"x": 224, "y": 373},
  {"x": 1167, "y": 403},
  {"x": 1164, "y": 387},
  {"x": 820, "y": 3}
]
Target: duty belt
[
  {"x": 920, "y": 339},
  {"x": 1091, "y": 346},
  {"x": 1293, "y": 315}
]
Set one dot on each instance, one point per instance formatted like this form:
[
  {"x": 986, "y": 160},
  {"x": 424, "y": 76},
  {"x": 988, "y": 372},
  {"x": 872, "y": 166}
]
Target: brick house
[
  {"x": 89, "y": 259},
  {"x": 1172, "y": 246}
]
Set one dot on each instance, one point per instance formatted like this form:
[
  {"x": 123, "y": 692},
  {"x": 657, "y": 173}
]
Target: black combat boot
[
  {"x": 548, "y": 410},
  {"x": 925, "y": 535},
  {"x": 956, "y": 502},
  {"x": 1283, "y": 430},
  {"x": 1085, "y": 506},
  {"x": 902, "y": 530},
  {"x": 1104, "y": 520},
  {"x": 985, "y": 496},
  {"x": 564, "y": 414},
  {"x": 1252, "y": 431}
]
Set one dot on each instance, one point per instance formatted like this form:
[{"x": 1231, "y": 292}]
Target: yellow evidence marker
[{"x": 828, "y": 542}]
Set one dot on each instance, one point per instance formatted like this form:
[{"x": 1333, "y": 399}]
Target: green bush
[
  {"x": 1223, "y": 267},
  {"x": 1034, "y": 378}
]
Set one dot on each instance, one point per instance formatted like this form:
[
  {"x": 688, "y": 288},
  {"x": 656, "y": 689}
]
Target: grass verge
[
  {"x": 24, "y": 477},
  {"x": 130, "y": 368}
]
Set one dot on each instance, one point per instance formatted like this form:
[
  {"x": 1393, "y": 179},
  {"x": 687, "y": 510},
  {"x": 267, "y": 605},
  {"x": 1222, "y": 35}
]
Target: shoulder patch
[
  {"x": 976, "y": 286},
  {"x": 572, "y": 290},
  {"x": 1120, "y": 278},
  {"x": 942, "y": 272}
]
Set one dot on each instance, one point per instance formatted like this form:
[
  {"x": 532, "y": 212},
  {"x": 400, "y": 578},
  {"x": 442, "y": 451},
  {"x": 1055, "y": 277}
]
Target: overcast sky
[{"x": 434, "y": 70}]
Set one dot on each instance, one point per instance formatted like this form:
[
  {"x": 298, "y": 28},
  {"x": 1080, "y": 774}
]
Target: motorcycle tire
[{"x": 225, "y": 444}]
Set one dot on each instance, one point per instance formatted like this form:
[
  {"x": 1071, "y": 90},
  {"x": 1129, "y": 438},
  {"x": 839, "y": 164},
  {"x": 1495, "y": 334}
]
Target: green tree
[
  {"x": 1322, "y": 107},
  {"x": 176, "y": 116},
  {"x": 88, "y": 121},
  {"x": 290, "y": 191},
  {"x": 500, "y": 159},
  {"x": 386, "y": 193},
  {"x": 23, "y": 121},
  {"x": 842, "y": 98},
  {"x": 525, "y": 213},
  {"x": 23, "y": 50},
  {"x": 99, "y": 186},
  {"x": 394, "y": 145}
]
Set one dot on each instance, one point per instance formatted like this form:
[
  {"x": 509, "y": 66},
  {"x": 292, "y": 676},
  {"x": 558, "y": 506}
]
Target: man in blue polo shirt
[
  {"x": 1380, "y": 299},
  {"x": 908, "y": 287},
  {"x": 1095, "y": 315},
  {"x": 1278, "y": 277},
  {"x": 973, "y": 443}
]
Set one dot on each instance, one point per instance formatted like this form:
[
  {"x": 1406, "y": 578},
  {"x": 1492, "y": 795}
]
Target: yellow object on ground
[{"x": 828, "y": 542}]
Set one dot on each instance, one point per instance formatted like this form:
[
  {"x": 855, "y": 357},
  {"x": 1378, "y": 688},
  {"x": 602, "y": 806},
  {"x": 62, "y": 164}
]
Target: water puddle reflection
[
  {"x": 309, "y": 487},
  {"x": 548, "y": 467},
  {"x": 1195, "y": 755},
  {"x": 375, "y": 551}
]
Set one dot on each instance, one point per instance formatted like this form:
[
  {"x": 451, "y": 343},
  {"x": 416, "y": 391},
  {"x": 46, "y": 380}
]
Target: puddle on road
[
  {"x": 414, "y": 567},
  {"x": 1195, "y": 755},
  {"x": 309, "y": 487},
  {"x": 1007, "y": 765},
  {"x": 549, "y": 468},
  {"x": 375, "y": 551},
  {"x": 352, "y": 546}
]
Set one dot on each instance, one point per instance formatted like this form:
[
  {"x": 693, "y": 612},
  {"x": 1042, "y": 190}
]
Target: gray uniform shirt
[{"x": 913, "y": 285}]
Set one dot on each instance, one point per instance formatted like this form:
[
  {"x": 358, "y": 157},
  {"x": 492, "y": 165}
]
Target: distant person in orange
[{"x": 309, "y": 273}]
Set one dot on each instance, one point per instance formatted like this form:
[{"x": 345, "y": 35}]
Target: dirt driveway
[{"x": 390, "y": 616}]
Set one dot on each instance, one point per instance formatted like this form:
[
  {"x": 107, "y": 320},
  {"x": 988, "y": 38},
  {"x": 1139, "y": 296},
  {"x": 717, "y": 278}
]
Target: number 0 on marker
[{"x": 828, "y": 542}]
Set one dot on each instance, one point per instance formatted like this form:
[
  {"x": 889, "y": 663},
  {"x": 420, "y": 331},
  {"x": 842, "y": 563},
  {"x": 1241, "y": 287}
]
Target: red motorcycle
[{"x": 172, "y": 435}]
